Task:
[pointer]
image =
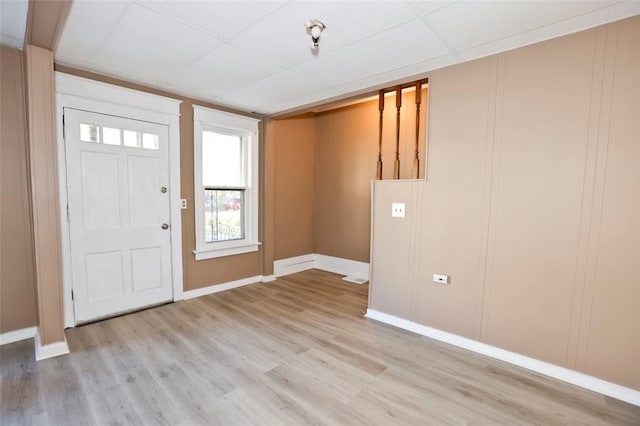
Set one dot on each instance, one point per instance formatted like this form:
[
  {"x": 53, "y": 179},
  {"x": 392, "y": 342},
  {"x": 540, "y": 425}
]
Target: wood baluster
[
  {"x": 396, "y": 163},
  {"x": 381, "y": 110},
  {"x": 416, "y": 158}
]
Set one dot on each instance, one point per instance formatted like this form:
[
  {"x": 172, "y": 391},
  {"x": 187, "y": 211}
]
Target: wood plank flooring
[{"x": 291, "y": 352}]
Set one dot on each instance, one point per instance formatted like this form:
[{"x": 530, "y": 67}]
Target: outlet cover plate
[{"x": 398, "y": 209}]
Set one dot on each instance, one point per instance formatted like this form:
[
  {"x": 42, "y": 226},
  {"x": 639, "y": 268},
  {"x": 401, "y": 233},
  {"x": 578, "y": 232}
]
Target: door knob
[
  {"x": 165, "y": 226},
  {"x": 163, "y": 189}
]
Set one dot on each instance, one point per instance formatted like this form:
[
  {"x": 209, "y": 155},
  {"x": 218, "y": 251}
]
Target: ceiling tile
[
  {"x": 471, "y": 23},
  {"x": 221, "y": 19},
  {"x": 149, "y": 46},
  {"x": 375, "y": 55},
  {"x": 89, "y": 24},
  {"x": 13, "y": 22},
  {"x": 282, "y": 39},
  {"x": 279, "y": 88},
  {"x": 217, "y": 72}
]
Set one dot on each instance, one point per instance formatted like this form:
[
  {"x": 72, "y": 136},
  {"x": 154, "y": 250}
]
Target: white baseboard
[
  {"x": 268, "y": 278},
  {"x": 359, "y": 271},
  {"x": 216, "y": 288},
  {"x": 292, "y": 265},
  {"x": 595, "y": 384},
  {"x": 51, "y": 350},
  {"x": 18, "y": 335},
  {"x": 338, "y": 265}
]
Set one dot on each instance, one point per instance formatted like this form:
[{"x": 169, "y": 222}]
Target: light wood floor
[{"x": 294, "y": 351}]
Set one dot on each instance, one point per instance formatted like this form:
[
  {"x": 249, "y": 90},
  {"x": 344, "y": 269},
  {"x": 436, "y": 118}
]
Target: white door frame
[{"x": 102, "y": 98}]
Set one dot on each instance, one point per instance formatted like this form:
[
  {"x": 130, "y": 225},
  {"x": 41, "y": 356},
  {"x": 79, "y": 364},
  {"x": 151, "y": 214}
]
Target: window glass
[
  {"x": 131, "y": 138},
  {"x": 223, "y": 212},
  {"x": 221, "y": 159},
  {"x": 111, "y": 136},
  {"x": 89, "y": 133},
  {"x": 149, "y": 141}
]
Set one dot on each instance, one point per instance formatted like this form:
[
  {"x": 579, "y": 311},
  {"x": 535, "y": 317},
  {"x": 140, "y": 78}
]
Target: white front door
[{"x": 118, "y": 208}]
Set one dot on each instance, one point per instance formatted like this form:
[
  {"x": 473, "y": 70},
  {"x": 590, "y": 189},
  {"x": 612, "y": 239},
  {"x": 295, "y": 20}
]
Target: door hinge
[
  {"x": 72, "y": 298},
  {"x": 64, "y": 131},
  {"x": 68, "y": 214}
]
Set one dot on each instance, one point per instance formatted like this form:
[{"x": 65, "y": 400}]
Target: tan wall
[
  {"x": 531, "y": 206},
  {"x": 294, "y": 170},
  {"x": 17, "y": 281},
  {"x": 346, "y": 164}
]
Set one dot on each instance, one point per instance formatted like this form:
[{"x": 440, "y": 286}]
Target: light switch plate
[{"x": 398, "y": 209}]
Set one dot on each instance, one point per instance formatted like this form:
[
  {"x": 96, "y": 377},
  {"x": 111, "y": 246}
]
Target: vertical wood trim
[
  {"x": 492, "y": 106},
  {"x": 44, "y": 192},
  {"x": 586, "y": 213},
  {"x": 491, "y": 206},
  {"x": 396, "y": 162},
  {"x": 268, "y": 135},
  {"x": 597, "y": 201}
]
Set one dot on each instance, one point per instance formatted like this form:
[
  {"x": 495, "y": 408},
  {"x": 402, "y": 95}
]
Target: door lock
[
  {"x": 165, "y": 226},
  {"x": 163, "y": 189}
]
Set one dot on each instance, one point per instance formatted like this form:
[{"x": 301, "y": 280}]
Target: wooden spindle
[
  {"x": 416, "y": 158},
  {"x": 396, "y": 163},
  {"x": 381, "y": 110}
]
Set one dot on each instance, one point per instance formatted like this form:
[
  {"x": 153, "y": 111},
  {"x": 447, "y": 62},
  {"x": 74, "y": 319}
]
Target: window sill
[{"x": 227, "y": 250}]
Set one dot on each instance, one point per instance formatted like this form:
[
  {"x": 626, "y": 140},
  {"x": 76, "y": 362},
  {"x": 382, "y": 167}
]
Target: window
[
  {"x": 111, "y": 136},
  {"x": 226, "y": 183}
]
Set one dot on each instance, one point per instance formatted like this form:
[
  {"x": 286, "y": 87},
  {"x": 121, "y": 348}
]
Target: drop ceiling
[{"x": 255, "y": 55}]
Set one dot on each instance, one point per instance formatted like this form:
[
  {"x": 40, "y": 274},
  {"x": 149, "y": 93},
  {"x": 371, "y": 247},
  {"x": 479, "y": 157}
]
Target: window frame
[{"x": 207, "y": 119}]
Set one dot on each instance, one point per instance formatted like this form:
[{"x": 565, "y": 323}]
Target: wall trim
[
  {"x": 18, "y": 335},
  {"x": 595, "y": 384},
  {"x": 292, "y": 265},
  {"x": 337, "y": 265},
  {"x": 51, "y": 350},
  {"x": 217, "y": 288}
]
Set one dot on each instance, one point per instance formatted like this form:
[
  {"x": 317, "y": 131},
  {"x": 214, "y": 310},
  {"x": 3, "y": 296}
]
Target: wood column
[
  {"x": 44, "y": 192},
  {"x": 381, "y": 111},
  {"x": 416, "y": 157},
  {"x": 396, "y": 162}
]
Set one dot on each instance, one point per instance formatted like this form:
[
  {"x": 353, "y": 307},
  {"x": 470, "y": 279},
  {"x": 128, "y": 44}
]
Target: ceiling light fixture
[{"x": 314, "y": 29}]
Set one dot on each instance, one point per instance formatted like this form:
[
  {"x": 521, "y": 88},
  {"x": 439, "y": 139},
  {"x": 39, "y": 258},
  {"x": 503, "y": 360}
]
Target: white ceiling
[
  {"x": 255, "y": 55},
  {"x": 13, "y": 22}
]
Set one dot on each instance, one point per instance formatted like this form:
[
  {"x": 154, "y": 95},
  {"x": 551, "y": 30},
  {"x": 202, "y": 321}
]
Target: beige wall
[
  {"x": 531, "y": 206},
  {"x": 347, "y": 155},
  {"x": 17, "y": 282},
  {"x": 294, "y": 170},
  {"x": 323, "y": 167}
]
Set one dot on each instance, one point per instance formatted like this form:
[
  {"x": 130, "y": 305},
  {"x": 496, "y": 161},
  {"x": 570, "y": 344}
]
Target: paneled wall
[
  {"x": 294, "y": 169},
  {"x": 17, "y": 281},
  {"x": 531, "y": 206}
]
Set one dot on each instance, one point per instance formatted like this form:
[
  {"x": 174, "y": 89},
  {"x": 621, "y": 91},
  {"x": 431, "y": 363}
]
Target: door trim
[{"x": 102, "y": 98}]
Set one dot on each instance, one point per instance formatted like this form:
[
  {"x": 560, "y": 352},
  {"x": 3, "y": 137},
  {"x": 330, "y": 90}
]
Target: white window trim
[{"x": 204, "y": 118}]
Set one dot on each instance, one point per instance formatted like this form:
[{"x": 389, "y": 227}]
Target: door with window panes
[{"x": 117, "y": 183}]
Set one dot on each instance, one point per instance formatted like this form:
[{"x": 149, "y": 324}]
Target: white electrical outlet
[
  {"x": 441, "y": 279},
  {"x": 183, "y": 203},
  {"x": 397, "y": 209}
]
